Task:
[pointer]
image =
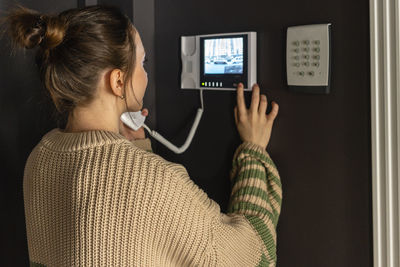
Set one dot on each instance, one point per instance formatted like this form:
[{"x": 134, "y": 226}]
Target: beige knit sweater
[{"x": 96, "y": 199}]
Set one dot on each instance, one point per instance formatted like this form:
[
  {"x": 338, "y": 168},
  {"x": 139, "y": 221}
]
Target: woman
[{"x": 94, "y": 193}]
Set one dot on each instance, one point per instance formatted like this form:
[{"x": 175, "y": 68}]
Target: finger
[
  {"x": 235, "y": 113},
  {"x": 262, "y": 109},
  {"x": 145, "y": 112},
  {"x": 255, "y": 98},
  {"x": 274, "y": 112},
  {"x": 240, "y": 99}
]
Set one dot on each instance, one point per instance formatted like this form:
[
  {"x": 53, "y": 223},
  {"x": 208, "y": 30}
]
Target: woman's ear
[{"x": 117, "y": 82}]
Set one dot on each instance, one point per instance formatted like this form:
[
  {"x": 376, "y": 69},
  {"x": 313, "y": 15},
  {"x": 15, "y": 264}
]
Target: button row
[
  {"x": 306, "y": 64},
  {"x": 306, "y": 42},
  {"x": 307, "y": 49},
  {"x": 316, "y": 57},
  {"x": 212, "y": 84},
  {"x": 302, "y": 73}
]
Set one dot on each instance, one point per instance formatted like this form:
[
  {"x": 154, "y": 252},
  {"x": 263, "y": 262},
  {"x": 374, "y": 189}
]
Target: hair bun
[
  {"x": 55, "y": 32},
  {"x": 29, "y": 29}
]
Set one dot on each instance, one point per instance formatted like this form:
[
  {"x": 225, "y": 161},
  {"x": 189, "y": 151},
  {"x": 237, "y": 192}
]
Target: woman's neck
[{"x": 86, "y": 119}]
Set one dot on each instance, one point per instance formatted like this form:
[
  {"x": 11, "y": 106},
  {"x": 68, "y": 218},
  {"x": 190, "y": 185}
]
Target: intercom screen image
[{"x": 223, "y": 56}]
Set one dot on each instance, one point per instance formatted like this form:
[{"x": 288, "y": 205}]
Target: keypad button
[
  {"x": 306, "y": 49},
  {"x": 311, "y": 73},
  {"x": 297, "y": 50},
  {"x": 307, "y": 64},
  {"x": 301, "y": 73},
  {"x": 316, "y": 64},
  {"x": 306, "y": 56},
  {"x": 317, "y": 42},
  {"x": 296, "y": 57},
  {"x": 316, "y": 49},
  {"x": 296, "y": 43},
  {"x": 306, "y": 42},
  {"x": 296, "y": 65},
  {"x": 317, "y": 57}
]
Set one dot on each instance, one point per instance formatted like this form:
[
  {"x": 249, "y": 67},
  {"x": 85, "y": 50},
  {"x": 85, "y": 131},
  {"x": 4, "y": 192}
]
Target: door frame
[{"x": 385, "y": 130}]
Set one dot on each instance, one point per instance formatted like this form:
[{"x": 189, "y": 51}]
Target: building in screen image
[{"x": 223, "y": 56}]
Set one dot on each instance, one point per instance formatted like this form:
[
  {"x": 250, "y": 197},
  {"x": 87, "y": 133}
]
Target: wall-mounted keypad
[{"x": 307, "y": 57}]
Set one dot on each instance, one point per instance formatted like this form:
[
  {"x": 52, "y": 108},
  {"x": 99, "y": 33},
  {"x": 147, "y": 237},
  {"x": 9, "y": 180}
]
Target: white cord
[
  {"x": 201, "y": 99},
  {"x": 179, "y": 150},
  {"x": 147, "y": 128}
]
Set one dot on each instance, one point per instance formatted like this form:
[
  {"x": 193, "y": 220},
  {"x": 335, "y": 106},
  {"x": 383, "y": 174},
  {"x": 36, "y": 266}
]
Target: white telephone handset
[{"x": 135, "y": 120}]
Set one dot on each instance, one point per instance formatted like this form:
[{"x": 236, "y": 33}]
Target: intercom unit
[
  {"x": 212, "y": 62},
  {"x": 219, "y": 61},
  {"x": 308, "y": 58}
]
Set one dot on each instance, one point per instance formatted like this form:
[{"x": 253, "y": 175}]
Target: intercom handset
[
  {"x": 219, "y": 61},
  {"x": 135, "y": 120}
]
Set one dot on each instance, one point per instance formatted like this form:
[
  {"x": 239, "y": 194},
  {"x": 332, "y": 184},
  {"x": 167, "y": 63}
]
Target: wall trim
[{"x": 385, "y": 130}]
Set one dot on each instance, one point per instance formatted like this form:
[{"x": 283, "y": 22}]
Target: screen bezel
[{"x": 228, "y": 79}]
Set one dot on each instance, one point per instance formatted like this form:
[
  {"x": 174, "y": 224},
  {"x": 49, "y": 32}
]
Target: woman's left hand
[{"x": 131, "y": 134}]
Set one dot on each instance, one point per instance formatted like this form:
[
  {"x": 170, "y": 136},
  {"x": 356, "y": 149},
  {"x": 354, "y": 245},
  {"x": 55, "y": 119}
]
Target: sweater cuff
[
  {"x": 252, "y": 150},
  {"x": 144, "y": 144}
]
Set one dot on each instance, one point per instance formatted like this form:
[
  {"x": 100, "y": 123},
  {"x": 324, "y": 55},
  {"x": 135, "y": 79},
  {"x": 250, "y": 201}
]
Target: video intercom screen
[{"x": 223, "y": 56}]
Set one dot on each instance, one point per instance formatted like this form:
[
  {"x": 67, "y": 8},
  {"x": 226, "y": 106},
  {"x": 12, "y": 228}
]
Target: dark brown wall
[
  {"x": 25, "y": 116},
  {"x": 320, "y": 143}
]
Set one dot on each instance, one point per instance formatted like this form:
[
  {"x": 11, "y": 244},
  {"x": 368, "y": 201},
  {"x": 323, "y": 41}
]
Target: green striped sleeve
[
  {"x": 257, "y": 194},
  {"x": 34, "y": 264}
]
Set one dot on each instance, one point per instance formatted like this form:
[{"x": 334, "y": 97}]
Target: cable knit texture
[{"x": 96, "y": 199}]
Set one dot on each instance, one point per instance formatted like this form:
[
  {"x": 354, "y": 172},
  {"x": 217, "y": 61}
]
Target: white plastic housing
[
  {"x": 190, "y": 55},
  {"x": 308, "y": 55}
]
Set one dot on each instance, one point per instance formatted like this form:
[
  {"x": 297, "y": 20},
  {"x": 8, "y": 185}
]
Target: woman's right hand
[{"x": 253, "y": 124}]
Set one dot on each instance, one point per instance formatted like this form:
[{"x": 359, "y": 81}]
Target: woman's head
[{"x": 82, "y": 53}]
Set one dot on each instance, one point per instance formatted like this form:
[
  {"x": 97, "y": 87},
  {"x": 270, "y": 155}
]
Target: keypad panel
[{"x": 308, "y": 55}]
